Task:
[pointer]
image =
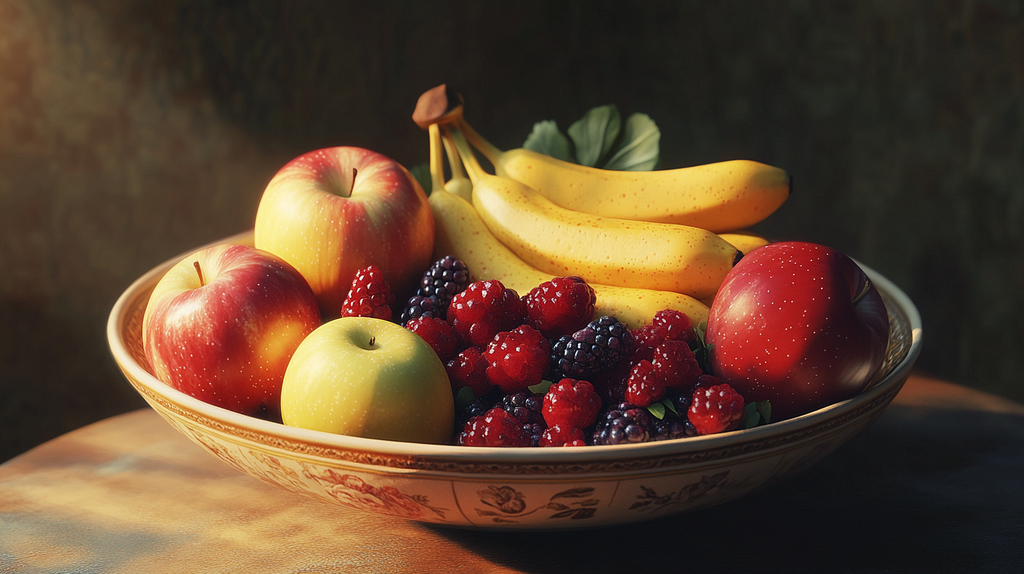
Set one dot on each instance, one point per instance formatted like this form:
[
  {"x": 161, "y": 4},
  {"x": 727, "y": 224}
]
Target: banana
[
  {"x": 604, "y": 250},
  {"x": 745, "y": 241},
  {"x": 718, "y": 196},
  {"x": 458, "y": 183},
  {"x": 460, "y": 232}
]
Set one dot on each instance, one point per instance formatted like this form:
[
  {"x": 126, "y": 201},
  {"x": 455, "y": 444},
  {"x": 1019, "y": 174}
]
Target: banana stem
[
  {"x": 491, "y": 152},
  {"x": 454, "y": 161},
  {"x": 436, "y": 159},
  {"x": 476, "y": 171}
]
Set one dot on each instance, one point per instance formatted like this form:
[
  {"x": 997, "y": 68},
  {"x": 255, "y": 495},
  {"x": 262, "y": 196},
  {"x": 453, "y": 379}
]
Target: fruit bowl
[{"x": 514, "y": 488}]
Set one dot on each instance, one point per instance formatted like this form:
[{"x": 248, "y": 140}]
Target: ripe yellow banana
[
  {"x": 745, "y": 241},
  {"x": 718, "y": 196},
  {"x": 460, "y": 232},
  {"x": 458, "y": 184},
  {"x": 603, "y": 250}
]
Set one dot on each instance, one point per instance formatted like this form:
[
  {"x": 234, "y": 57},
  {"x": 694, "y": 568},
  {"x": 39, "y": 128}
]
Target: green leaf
[
  {"x": 595, "y": 133},
  {"x": 422, "y": 174},
  {"x": 657, "y": 410},
  {"x": 752, "y": 417},
  {"x": 464, "y": 397},
  {"x": 703, "y": 350},
  {"x": 668, "y": 405},
  {"x": 701, "y": 330},
  {"x": 639, "y": 148},
  {"x": 541, "y": 387},
  {"x": 765, "y": 408},
  {"x": 546, "y": 139}
]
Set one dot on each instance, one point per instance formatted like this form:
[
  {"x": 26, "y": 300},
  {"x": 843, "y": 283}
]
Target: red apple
[
  {"x": 333, "y": 211},
  {"x": 222, "y": 324},
  {"x": 797, "y": 324}
]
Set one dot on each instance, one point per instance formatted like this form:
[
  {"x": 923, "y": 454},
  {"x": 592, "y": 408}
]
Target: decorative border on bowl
[{"x": 426, "y": 463}]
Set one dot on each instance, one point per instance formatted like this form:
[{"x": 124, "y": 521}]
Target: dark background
[{"x": 131, "y": 131}]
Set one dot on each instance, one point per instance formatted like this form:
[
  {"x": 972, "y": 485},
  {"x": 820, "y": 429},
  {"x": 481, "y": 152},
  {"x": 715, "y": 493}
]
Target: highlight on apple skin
[
  {"x": 368, "y": 377},
  {"x": 222, "y": 324},
  {"x": 333, "y": 211},
  {"x": 798, "y": 324}
]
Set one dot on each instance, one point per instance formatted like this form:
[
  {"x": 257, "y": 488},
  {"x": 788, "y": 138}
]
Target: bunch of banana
[
  {"x": 719, "y": 197},
  {"x": 604, "y": 250},
  {"x": 459, "y": 231}
]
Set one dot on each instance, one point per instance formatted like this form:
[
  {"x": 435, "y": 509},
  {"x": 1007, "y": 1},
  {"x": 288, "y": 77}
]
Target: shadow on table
[{"x": 920, "y": 491}]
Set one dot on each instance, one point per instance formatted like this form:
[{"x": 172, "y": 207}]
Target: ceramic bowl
[{"x": 514, "y": 488}]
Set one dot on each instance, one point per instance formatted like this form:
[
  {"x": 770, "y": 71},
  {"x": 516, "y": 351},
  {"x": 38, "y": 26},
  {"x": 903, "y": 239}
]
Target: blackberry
[
  {"x": 446, "y": 277},
  {"x": 670, "y": 427},
  {"x": 622, "y": 424},
  {"x": 421, "y": 306},
  {"x": 474, "y": 409},
  {"x": 597, "y": 347},
  {"x": 526, "y": 406}
]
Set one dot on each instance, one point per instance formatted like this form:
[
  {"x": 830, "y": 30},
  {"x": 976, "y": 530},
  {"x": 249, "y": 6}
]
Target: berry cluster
[{"x": 540, "y": 370}]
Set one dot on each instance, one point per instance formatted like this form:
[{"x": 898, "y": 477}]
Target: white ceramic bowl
[{"x": 510, "y": 488}]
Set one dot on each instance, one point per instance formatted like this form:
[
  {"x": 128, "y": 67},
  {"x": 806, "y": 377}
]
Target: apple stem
[
  {"x": 863, "y": 291},
  {"x": 373, "y": 340},
  {"x": 353, "y": 184},
  {"x": 199, "y": 271}
]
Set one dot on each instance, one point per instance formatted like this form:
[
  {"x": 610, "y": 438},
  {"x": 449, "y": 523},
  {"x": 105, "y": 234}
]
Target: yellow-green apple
[
  {"x": 362, "y": 376},
  {"x": 222, "y": 324},
  {"x": 798, "y": 324},
  {"x": 333, "y": 211}
]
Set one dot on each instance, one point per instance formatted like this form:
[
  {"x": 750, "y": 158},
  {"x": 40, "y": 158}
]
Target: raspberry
[
  {"x": 594, "y": 348},
  {"x": 677, "y": 325},
  {"x": 560, "y": 306},
  {"x": 705, "y": 381},
  {"x": 667, "y": 325},
  {"x": 494, "y": 428},
  {"x": 716, "y": 409},
  {"x": 645, "y": 339},
  {"x": 517, "y": 359},
  {"x": 645, "y": 384},
  {"x": 469, "y": 369},
  {"x": 624, "y": 423},
  {"x": 420, "y": 306},
  {"x": 444, "y": 279},
  {"x": 571, "y": 403},
  {"x": 369, "y": 296},
  {"x": 484, "y": 309},
  {"x": 437, "y": 333},
  {"x": 676, "y": 364},
  {"x": 561, "y": 435}
]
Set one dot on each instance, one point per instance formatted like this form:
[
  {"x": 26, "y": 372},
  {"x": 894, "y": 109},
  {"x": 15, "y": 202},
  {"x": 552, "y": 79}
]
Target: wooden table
[{"x": 936, "y": 485}]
